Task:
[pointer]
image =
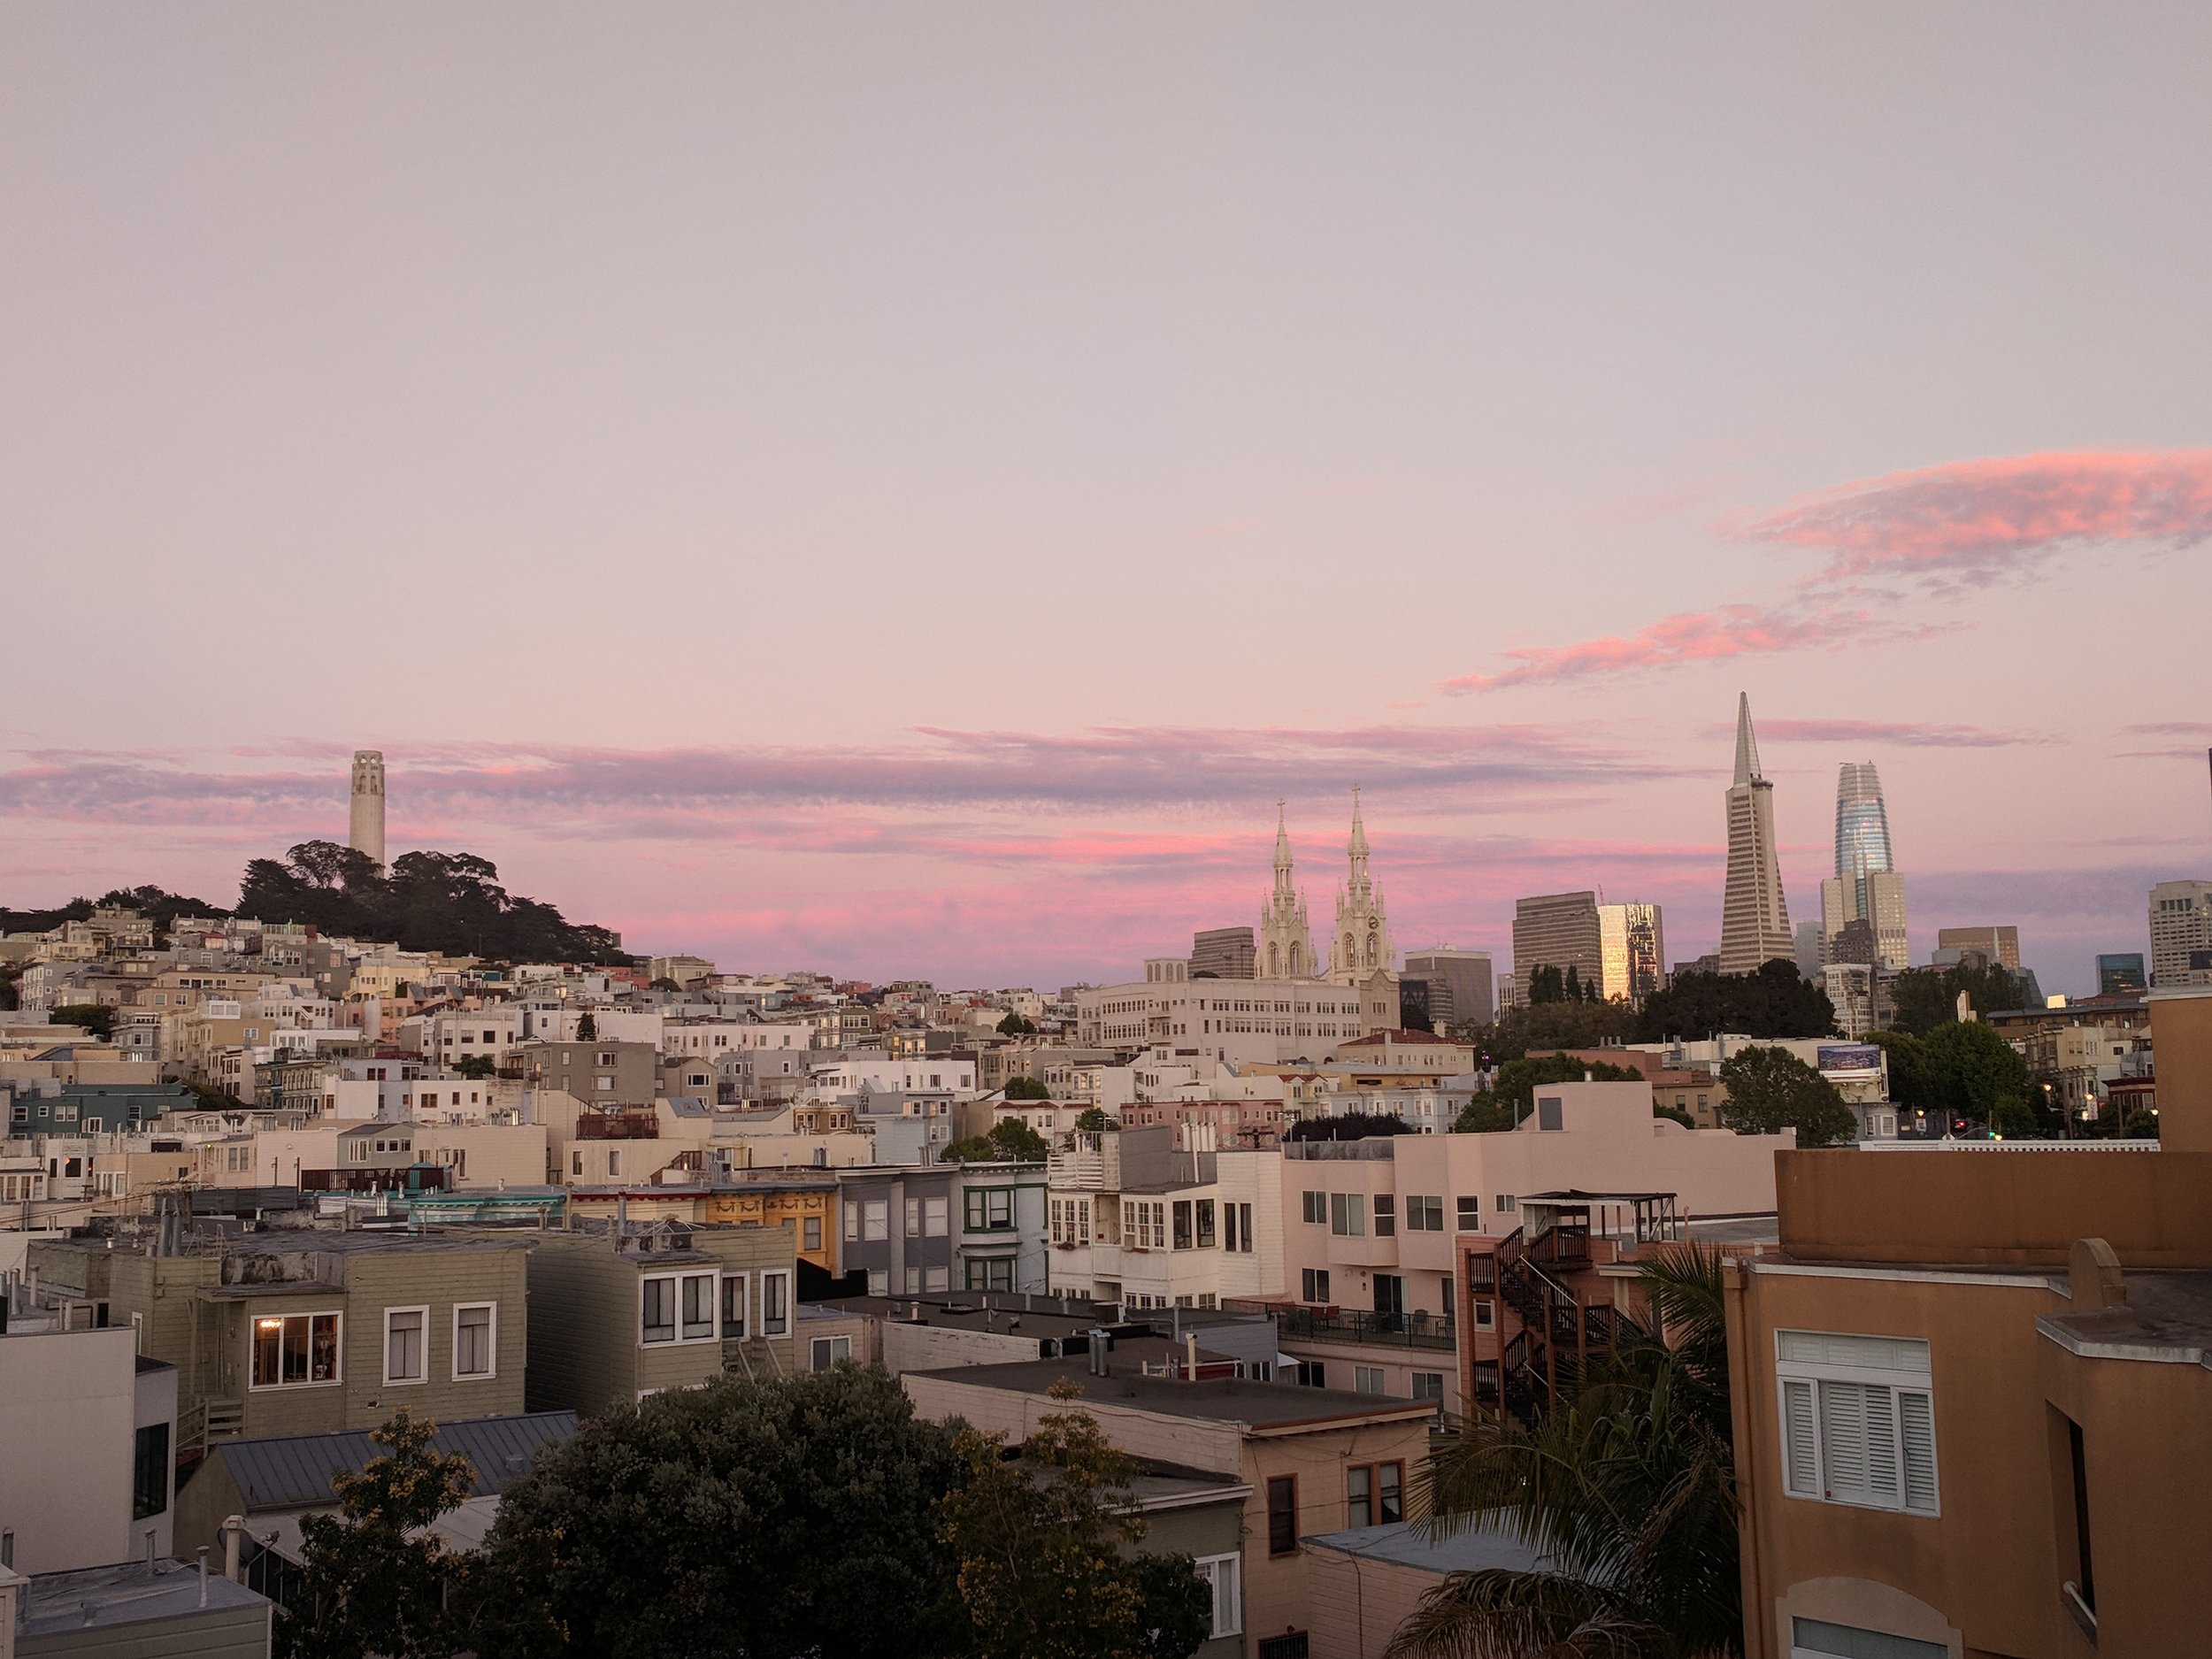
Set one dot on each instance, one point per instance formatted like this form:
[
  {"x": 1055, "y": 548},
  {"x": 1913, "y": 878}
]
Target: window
[
  {"x": 852, "y": 1222},
  {"x": 1385, "y": 1215},
  {"x": 1316, "y": 1210},
  {"x": 1858, "y": 1422},
  {"x": 936, "y": 1217},
  {"x": 879, "y": 1281},
  {"x": 149, "y": 1472},
  {"x": 1347, "y": 1215},
  {"x": 1182, "y": 1224},
  {"x": 1289, "y": 1646},
  {"x": 614, "y": 1163},
  {"x": 1424, "y": 1214},
  {"x": 811, "y": 1233},
  {"x": 775, "y": 1302},
  {"x": 657, "y": 1320},
  {"x": 1486, "y": 1313},
  {"x": 1282, "y": 1514},
  {"x": 1508, "y": 1203},
  {"x": 403, "y": 1358},
  {"x": 826, "y": 1351},
  {"x": 1206, "y": 1224},
  {"x": 292, "y": 1350},
  {"x": 1316, "y": 1284},
  {"x": 1367, "y": 1379},
  {"x": 1549, "y": 1110},
  {"x": 1229, "y": 1233},
  {"x": 733, "y": 1290},
  {"x": 2083, "y": 1586},
  {"x": 1375, "y": 1493},
  {"x": 875, "y": 1219},
  {"x": 990, "y": 1272},
  {"x": 1222, "y": 1573},
  {"x": 936, "y": 1279},
  {"x": 575, "y": 1161},
  {"x": 475, "y": 1346},
  {"x": 1428, "y": 1385},
  {"x": 698, "y": 1307},
  {"x": 1817, "y": 1639},
  {"x": 989, "y": 1209}
]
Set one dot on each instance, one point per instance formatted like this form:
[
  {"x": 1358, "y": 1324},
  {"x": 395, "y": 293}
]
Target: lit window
[{"x": 292, "y": 1350}]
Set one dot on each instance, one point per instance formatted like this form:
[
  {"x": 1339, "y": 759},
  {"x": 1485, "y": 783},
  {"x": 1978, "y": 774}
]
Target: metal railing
[{"x": 1390, "y": 1330}]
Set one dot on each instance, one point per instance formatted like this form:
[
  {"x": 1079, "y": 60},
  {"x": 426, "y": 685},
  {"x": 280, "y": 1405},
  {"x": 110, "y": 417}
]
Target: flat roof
[
  {"x": 2168, "y": 1315},
  {"x": 1491, "y": 1544},
  {"x": 128, "y": 1592},
  {"x": 1258, "y": 1405},
  {"x": 294, "y": 1472}
]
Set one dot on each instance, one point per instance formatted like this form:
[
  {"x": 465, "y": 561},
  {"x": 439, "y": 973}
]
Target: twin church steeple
[{"x": 1361, "y": 944}]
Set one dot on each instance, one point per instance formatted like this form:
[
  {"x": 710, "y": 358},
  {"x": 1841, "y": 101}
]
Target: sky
[{"x": 906, "y": 490}]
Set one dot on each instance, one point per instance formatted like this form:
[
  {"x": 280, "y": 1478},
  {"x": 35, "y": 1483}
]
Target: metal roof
[{"x": 294, "y": 1472}]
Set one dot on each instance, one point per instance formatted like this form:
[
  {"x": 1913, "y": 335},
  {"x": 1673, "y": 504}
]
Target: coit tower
[{"x": 365, "y": 832}]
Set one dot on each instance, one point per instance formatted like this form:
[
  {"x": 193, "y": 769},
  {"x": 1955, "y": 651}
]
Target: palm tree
[{"x": 1626, "y": 1490}]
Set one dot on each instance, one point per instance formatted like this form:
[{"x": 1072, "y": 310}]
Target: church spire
[
  {"x": 1357, "y": 850},
  {"x": 1282, "y": 851}
]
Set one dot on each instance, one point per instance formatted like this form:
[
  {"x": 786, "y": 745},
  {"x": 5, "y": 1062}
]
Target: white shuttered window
[{"x": 1857, "y": 1420}]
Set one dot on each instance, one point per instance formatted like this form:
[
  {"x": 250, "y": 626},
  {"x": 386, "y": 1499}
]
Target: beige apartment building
[{"x": 1973, "y": 1414}]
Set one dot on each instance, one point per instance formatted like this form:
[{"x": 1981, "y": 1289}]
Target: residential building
[
  {"x": 2181, "y": 933},
  {"x": 88, "y": 1428},
  {"x": 307, "y": 1330},
  {"x": 1223, "y": 953},
  {"x": 625, "y": 1310},
  {"x": 937, "y": 1227},
  {"x": 136, "y": 1607},
  {"x": 1632, "y": 948},
  {"x": 602, "y": 1071},
  {"x": 1134, "y": 1223},
  {"x": 1230, "y": 1021},
  {"x": 1971, "y": 1401},
  {"x": 1311, "y": 1460},
  {"x": 1464, "y": 976},
  {"x": 1556, "y": 930},
  {"x": 1755, "y": 921}
]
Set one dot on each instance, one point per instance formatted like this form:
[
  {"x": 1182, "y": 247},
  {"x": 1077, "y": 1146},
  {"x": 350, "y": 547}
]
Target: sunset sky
[{"x": 904, "y": 490}]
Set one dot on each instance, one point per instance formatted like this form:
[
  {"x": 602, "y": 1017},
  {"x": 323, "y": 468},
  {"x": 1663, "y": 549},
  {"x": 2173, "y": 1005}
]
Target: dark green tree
[
  {"x": 1010, "y": 1139},
  {"x": 476, "y": 1066},
  {"x": 763, "y": 1518},
  {"x": 1546, "y": 1028},
  {"x": 1026, "y": 1088},
  {"x": 1774, "y": 1002},
  {"x": 1627, "y": 1489},
  {"x": 1347, "y": 1126},
  {"x": 586, "y": 1027},
  {"x": 1094, "y": 1120},
  {"x": 1973, "y": 1074},
  {"x": 1044, "y": 1546},
  {"x": 373, "y": 1581},
  {"x": 1908, "y": 1068},
  {"x": 95, "y": 1018},
  {"x": 1016, "y": 1026},
  {"x": 1772, "y": 1089},
  {"x": 1925, "y": 998}
]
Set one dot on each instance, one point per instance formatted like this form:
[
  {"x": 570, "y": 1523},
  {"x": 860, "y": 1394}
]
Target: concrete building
[
  {"x": 2122, "y": 973},
  {"x": 2181, "y": 933},
  {"x": 88, "y": 1437},
  {"x": 1972, "y": 1410},
  {"x": 938, "y": 1227},
  {"x": 1999, "y": 945},
  {"x": 1755, "y": 919},
  {"x": 1262, "y": 1021},
  {"x": 364, "y": 828},
  {"x": 1470, "y": 995},
  {"x": 1223, "y": 953},
  {"x": 1556, "y": 930}
]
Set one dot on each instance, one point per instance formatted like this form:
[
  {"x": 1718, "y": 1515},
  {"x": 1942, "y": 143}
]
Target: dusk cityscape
[{"x": 1105, "y": 832}]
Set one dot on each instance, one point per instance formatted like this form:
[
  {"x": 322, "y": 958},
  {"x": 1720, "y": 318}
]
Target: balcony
[
  {"x": 1379, "y": 1330},
  {"x": 625, "y": 1126}
]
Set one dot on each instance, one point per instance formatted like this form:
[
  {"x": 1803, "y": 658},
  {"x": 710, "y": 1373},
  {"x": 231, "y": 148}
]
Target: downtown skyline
[{"x": 907, "y": 496}]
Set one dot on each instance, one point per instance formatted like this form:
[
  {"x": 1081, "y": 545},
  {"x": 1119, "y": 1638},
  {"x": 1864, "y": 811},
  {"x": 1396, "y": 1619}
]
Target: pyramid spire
[{"x": 1746, "y": 745}]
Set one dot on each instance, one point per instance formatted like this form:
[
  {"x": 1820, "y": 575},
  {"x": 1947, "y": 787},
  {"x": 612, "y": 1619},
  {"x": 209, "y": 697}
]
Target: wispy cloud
[
  {"x": 1690, "y": 636},
  {"x": 1977, "y": 521},
  {"x": 1894, "y": 733}
]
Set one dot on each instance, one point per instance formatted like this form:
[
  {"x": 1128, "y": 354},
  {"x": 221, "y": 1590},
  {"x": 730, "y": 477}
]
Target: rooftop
[
  {"x": 2167, "y": 1315},
  {"x": 129, "y": 1592},
  {"x": 294, "y": 1472},
  {"x": 1400, "y": 1543}
]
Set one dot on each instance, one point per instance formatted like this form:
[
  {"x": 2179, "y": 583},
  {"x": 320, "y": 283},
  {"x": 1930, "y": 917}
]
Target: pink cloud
[
  {"x": 1977, "y": 520},
  {"x": 1900, "y": 733},
  {"x": 1692, "y": 636}
]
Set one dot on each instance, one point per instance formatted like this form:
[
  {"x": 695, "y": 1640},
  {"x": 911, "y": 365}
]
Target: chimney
[
  {"x": 1192, "y": 1349},
  {"x": 202, "y": 1575},
  {"x": 1102, "y": 1349}
]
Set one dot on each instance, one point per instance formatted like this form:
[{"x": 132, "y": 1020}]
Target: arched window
[
  {"x": 1294, "y": 962},
  {"x": 1272, "y": 962},
  {"x": 1370, "y": 950}
]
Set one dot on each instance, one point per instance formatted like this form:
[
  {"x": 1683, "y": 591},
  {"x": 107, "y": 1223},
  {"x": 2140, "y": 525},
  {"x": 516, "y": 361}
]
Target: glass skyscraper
[
  {"x": 1866, "y": 886},
  {"x": 1862, "y": 822}
]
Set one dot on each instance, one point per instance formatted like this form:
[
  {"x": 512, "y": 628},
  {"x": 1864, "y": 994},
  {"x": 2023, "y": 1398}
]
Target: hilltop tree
[
  {"x": 1772, "y": 1089},
  {"x": 1975, "y": 1074},
  {"x": 1010, "y": 1139},
  {"x": 1774, "y": 1002},
  {"x": 1925, "y": 998}
]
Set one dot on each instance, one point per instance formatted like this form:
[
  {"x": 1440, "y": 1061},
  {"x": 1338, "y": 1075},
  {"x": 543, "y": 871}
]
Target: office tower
[
  {"x": 1465, "y": 978},
  {"x": 1631, "y": 945},
  {"x": 1755, "y": 919},
  {"x": 1812, "y": 946},
  {"x": 1556, "y": 930},
  {"x": 1866, "y": 886},
  {"x": 1285, "y": 950},
  {"x": 1223, "y": 953},
  {"x": 1362, "y": 946},
  {"x": 1997, "y": 946},
  {"x": 2121, "y": 973},
  {"x": 365, "y": 832},
  {"x": 2181, "y": 933}
]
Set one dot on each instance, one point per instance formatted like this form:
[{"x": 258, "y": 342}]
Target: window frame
[
  {"x": 1316, "y": 1280},
  {"x": 816, "y": 1345},
  {"x": 338, "y": 1349},
  {"x": 1816, "y": 1484},
  {"x": 151, "y": 1469},
  {"x": 780, "y": 1324},
  {"x": 1217, "y": 1570},
  {"x": 421, "y": 1311},
  {"x": 491, "y": 1341},
  {"x": 1381, "y": 1497},
  {"x": 741, "y": 1283},
  {"x": 1288, "y": 1486}
]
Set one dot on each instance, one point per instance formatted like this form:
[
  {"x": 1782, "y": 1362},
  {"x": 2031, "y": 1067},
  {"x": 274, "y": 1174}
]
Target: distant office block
[
  {"x": 1999, "y": 946},
  {"x": 1557, "y": 930},
  {"x": 1465, "y": 976},
  {"x": 2120, "y": 973},
  {"x": 1223, "y": 953},
  {"x": 1632, "y": 950},
  {"x": 2181, "y": 933}
]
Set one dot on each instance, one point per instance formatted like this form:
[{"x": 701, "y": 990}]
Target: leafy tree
[
  {"x": 1009, "y": 1139},
  {"x": 373, "y": 1581},
  {"x": 95, "y": 1018},
  {"x": 1675, "y": 1114},
  {"x": 476, "y": 1066},
  {"x": 1545, "y": 1028},
  {"x": 1546, "y": 985},
  {"x": 1347, "y": 1126},
  {"x": 1908, "y": 1068},
  {"x": 586, "y": 1027},
  {"x": 1513, "y": 1095},
  {"x": 10, "y": 972},
  {"x": 1973, "y": 1074},
  {"x": 753, "y": 1518},
  {"x": 1026, "y": 1088},
  {"x": 1016, "y": 1026},
  {"x": 2142, "y": 1123},
  {"x": 1627, "y": 1489},
  {"x": 1925, "y": 998},
  {"x": 1045, "y": 1570},
  {"x": 1094, "y": 1120},
  {"x": 1776, "y": 1001},
  {"x": 1772, "y": 1089},
  {"x": 665, "y": 984}
]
